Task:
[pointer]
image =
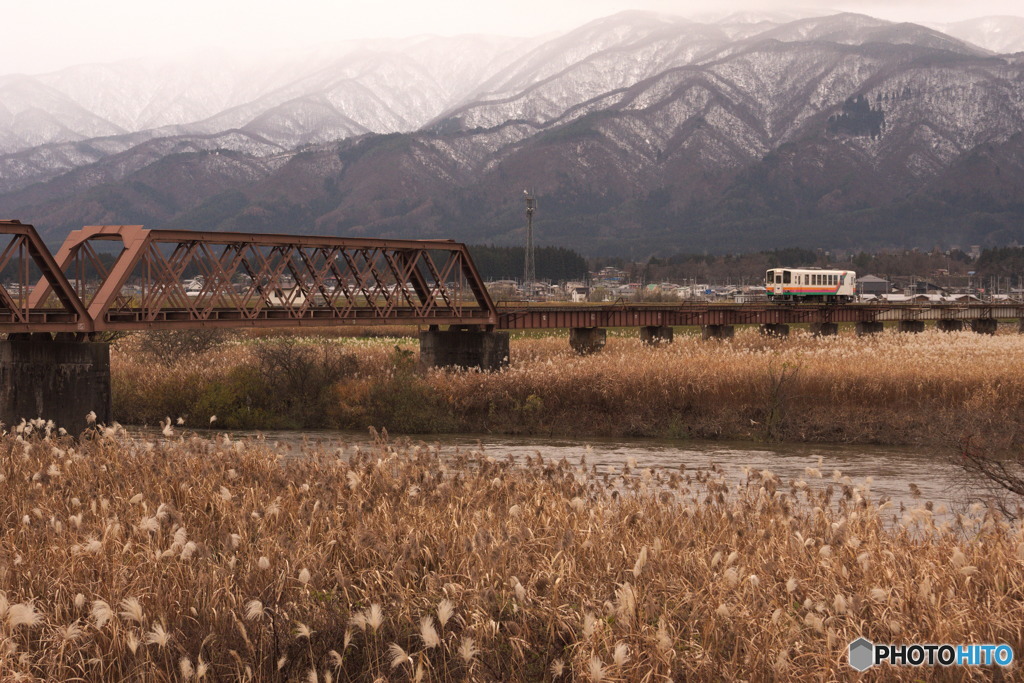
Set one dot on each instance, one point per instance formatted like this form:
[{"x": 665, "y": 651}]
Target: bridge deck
[{"x": 644, "y": 315}]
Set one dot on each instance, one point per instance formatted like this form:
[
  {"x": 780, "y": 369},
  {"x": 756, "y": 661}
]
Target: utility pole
[{"x": 529, "y": 269}]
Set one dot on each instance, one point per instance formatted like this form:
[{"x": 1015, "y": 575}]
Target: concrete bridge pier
[
  {"x": 775, "y": 330},
  {"x": 985, "y": 325},
  {"x": 54, "y": 380},
  {"x": 585, "y": 340},
  {"x": 910, "y": 326},
  {"x": 656, "y": 334},
  {"x": 717, "y": 331},
  {"x": 949, "y": 325},
  {"x": 869, "y": 327},
  {"x": 464, "y": 347},
  {"x": 824, "y": 329}
]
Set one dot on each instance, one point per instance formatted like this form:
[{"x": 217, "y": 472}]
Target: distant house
[
  {"x": 194, "y": 287},
  {"x": 751, "y": 295},
  {"x": 869, "y": 284},
  {"x": 579, "y": 294},
  {"x": 280, "y": 296},
  {"x": 963, "y": 298},
  {"x": 925, "y": 287}
]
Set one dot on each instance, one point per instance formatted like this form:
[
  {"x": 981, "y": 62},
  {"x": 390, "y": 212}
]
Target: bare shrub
[
  {"x": 988, "y": 449},
  {"x": 171, "y": 345},
  {"x": 298, "y": 378}
]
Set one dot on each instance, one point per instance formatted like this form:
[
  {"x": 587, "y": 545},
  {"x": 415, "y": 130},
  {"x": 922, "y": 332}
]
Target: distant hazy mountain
[
  {"x": 369, "y": 85},
  {"x": 1002, "y": 35},
  {"x": 638, "y": 132}
]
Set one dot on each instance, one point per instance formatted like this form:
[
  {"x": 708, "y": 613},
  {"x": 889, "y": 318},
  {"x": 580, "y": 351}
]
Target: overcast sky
[{"x": 44, "y": 35}]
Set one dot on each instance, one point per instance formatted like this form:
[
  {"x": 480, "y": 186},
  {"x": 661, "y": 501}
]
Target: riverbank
[
  {"x": 926, "y": 389},
  {"x": 166, "y": 559}
]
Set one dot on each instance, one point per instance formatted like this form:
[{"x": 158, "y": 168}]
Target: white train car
[{"x": 811, "y": 284}]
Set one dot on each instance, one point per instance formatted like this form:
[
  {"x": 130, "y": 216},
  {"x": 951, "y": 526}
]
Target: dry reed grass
[
  {"x": 889, "y": 388},
  {"x": 188, "y": 559}
]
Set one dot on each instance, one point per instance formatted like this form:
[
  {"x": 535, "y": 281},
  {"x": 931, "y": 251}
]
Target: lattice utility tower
[{"x": 529, "y": 268}]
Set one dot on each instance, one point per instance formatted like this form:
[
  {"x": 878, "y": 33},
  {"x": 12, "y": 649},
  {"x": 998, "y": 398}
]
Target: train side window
[{"x": 785, "y": 277}]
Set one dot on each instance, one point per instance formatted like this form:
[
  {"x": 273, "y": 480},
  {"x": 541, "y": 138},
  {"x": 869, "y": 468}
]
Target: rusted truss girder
[
  {"x": 23, "y": 258},
  {"x": 171, "y": 279}
]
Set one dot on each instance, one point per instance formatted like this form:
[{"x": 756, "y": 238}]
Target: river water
[{"x": 892, "y": 470}]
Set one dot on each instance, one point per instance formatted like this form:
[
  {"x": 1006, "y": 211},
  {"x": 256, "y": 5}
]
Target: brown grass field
[
  {"x": 930, "y": 389},
  {"x": 188, "y": 558}
]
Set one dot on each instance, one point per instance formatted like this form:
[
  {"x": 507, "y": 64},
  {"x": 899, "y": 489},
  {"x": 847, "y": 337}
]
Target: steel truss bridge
[{"x": 125, "y": 277}]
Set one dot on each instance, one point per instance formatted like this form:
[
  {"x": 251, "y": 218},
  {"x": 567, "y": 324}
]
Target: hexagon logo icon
[{"x": 862, "y": 654}]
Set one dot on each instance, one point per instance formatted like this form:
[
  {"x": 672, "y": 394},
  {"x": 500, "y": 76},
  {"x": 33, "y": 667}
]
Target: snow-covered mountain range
[{"x": 638, "y": 127}]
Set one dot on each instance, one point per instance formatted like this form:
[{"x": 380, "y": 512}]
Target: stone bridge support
[
  {"x": 656, "y": 334},
  {"x": 464, "y": 348},
  {"x": 911, "y": 326},
  {"x": 54, "y": 380},
  {"x": 869, "y": 327},
  {"x": 775, "y": 330},
  {"x": 824, "y": 329},
  {"x": 717, "y": 331},
  {"x": 949, "y": 325},
  {"x": 585, "y": 340},
  {"x": 985, "y": 325}
]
